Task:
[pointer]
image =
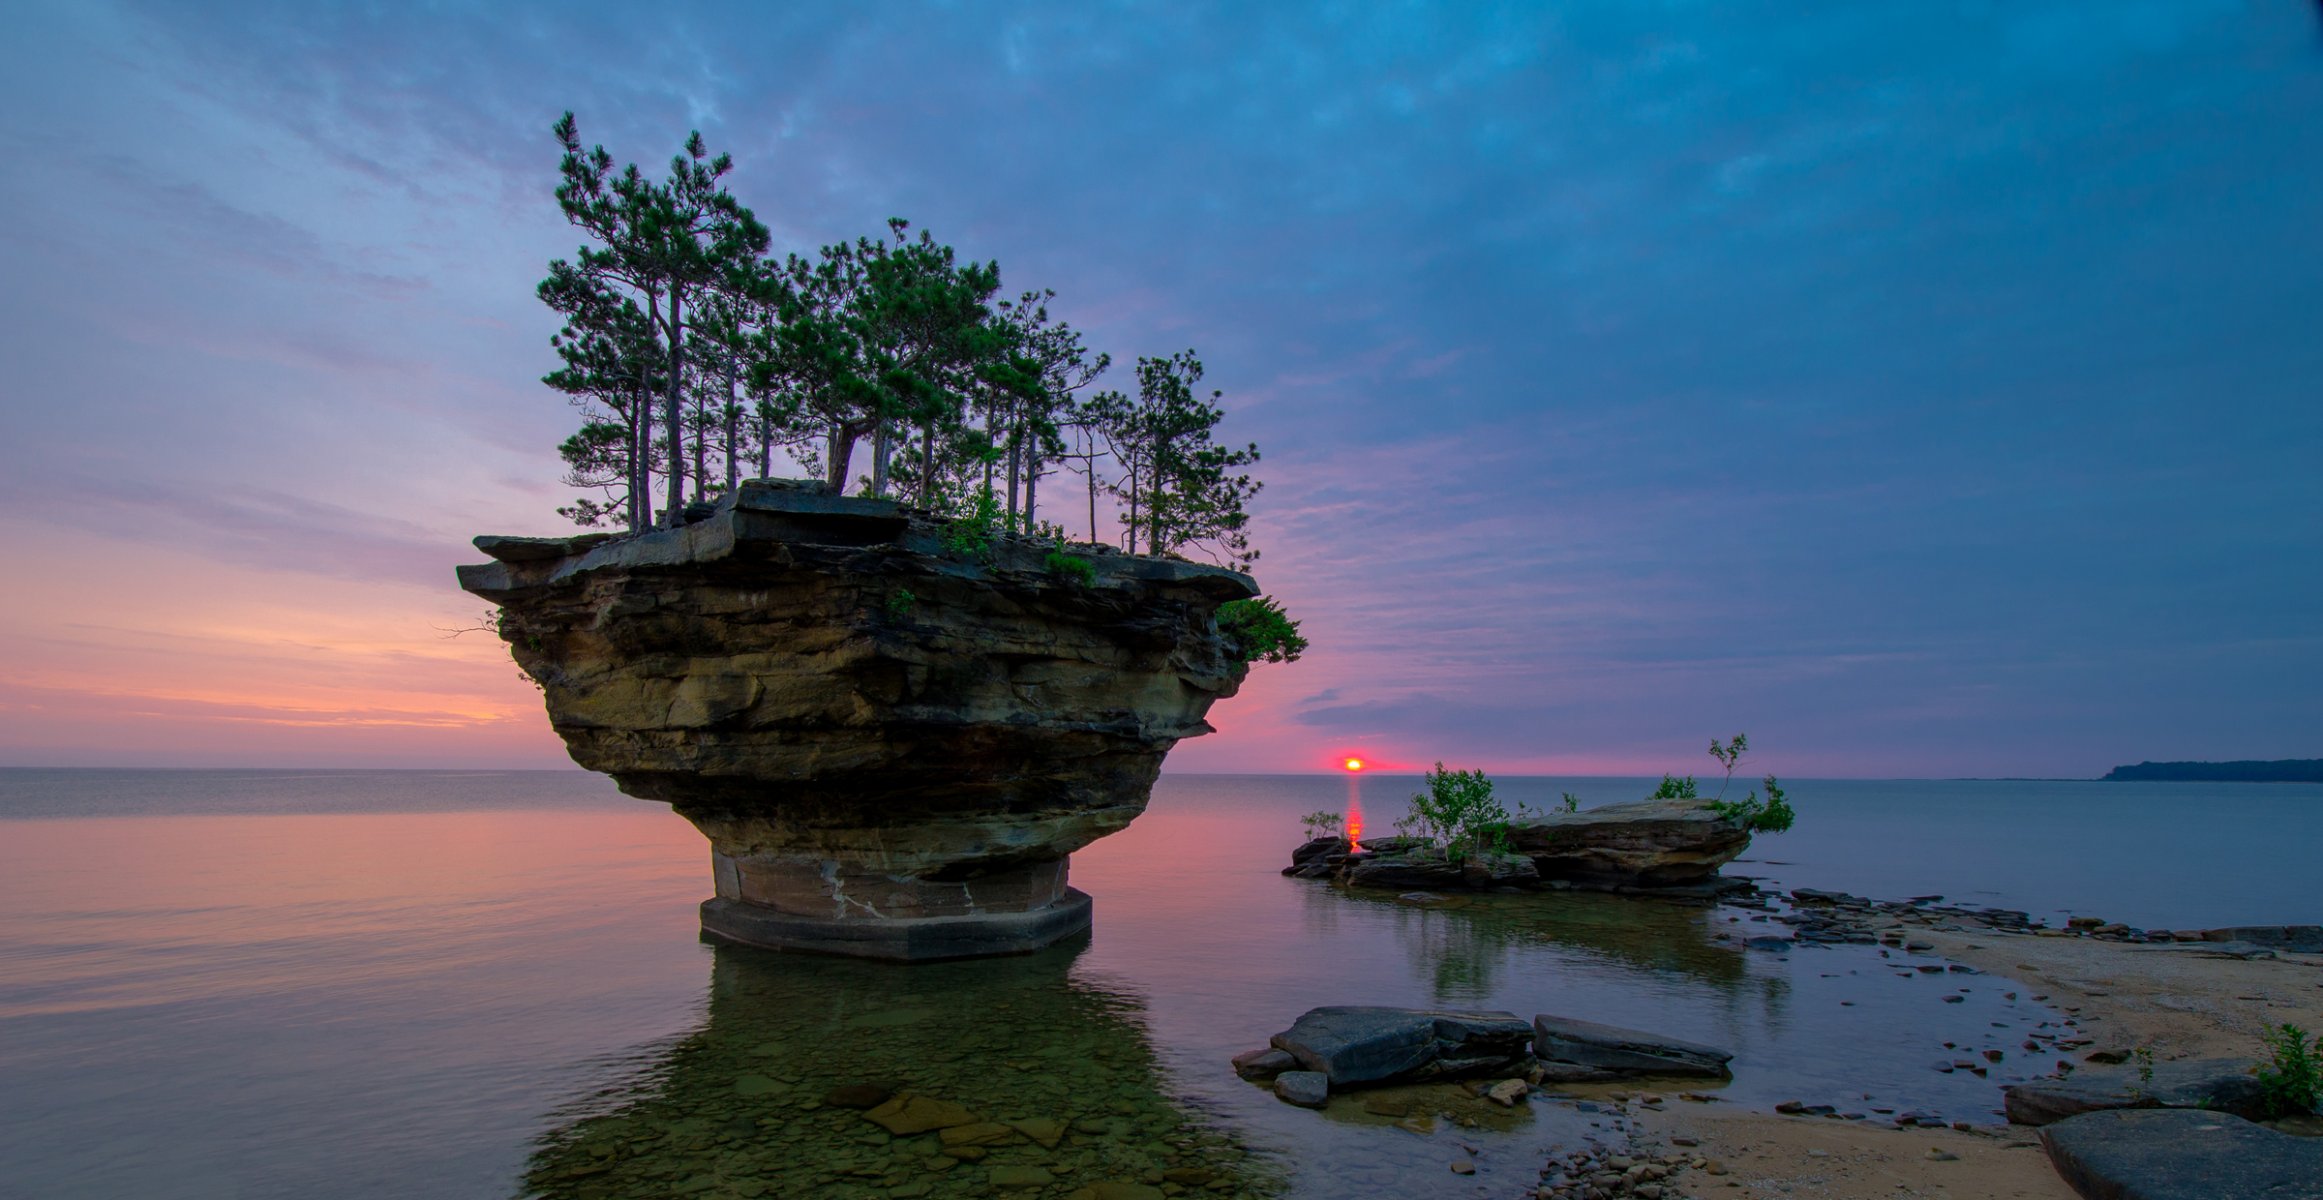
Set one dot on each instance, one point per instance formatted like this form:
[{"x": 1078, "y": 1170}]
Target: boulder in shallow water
[
  {"x": 1307, "y": 1089},
  {"x": 1353, "y": 1045},
  {"x": 2222, "y": 1085},
  {"x": 1644, "y": 843},
  {"x": 1623, "y": 1051},
  {"x": 2182, "y": 1154}
]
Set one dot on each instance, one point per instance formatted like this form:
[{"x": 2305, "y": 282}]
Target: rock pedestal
[{"x": 892, "y": 737}]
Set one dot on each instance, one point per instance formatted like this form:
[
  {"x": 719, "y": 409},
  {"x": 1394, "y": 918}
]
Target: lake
[{"x": 305, "y": 983}]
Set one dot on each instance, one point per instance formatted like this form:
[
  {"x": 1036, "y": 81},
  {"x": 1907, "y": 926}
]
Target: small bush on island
[
  {"x": 1458, "y": 812},
  {"x": 1772, "y": 814},
  {"x": 1322, "y": 824},
  {"x": 1260, "y": 631},
  {"x": 2291, "y": 1081}
]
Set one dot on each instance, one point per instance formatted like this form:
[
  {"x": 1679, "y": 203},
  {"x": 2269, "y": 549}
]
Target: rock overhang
[{"x": 841, "y": 701}]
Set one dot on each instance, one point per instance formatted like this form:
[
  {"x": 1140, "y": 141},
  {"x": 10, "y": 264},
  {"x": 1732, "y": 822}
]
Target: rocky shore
[
  {"x": 2140, "y": 1083},
  {"x": 2192, "y": 1003}
]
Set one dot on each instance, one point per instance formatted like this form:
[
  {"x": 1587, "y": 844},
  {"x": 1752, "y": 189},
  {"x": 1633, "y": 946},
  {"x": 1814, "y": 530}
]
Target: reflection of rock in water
[
  {"x": 1461, "y": 943},
  {"x": 1058, "y": 1073}
]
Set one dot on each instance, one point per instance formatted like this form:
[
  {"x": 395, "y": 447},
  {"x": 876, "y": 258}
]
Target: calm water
[{"x": 488, "y": 984}]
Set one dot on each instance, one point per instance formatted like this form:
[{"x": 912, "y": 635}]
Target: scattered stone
[
  {"x": 979, "y": 1133},
  {"x": 1307, "y": 1089},
  {"x": 1625, "y": 1051},
  {"x": 906, "y": 1115},
  {"x": 1114, "y": 1190},
  {"x": 1463, "y": 1166},
  {"x": 1939, "y": 1155},
  {"x": 2182, "y": 1154},
  {"x": 858, "y": 1095},
  {"x": 1047, "y": 1131},
  {"x": 1014, "y": 1176},
  {"x": 1508, "y": 1092}
]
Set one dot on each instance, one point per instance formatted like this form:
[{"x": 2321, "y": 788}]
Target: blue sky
[{"x": 1923, "y": 388}]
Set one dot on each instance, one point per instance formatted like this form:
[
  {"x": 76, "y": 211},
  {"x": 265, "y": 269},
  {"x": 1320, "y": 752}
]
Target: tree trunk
[
  {"x": 1015, "y": 440},
  {"x": 677, "y": 435},
  {"x": 765, "y": 446},
  {"x": 835, "y": 464},
  {"x": 879, "y": 454},
  {"x": 733, "y": 431},
  {"x": 640, "y": 459},
  {"x": 1032, "y": 478}
]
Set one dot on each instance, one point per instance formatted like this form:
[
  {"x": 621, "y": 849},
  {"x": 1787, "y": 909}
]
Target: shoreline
[{"x": 2178, "y": 999}]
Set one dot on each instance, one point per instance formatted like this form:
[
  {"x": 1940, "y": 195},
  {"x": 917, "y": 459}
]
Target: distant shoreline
[{"x": 2280, "y": 770}]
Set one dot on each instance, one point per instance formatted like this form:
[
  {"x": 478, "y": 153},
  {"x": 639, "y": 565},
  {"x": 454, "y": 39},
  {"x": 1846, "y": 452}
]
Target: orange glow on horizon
[{"x": 1354, "y": 764}]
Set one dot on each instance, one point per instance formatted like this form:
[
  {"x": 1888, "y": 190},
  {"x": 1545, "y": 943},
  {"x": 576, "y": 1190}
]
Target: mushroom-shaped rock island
[{"x": 894, "y": 735}]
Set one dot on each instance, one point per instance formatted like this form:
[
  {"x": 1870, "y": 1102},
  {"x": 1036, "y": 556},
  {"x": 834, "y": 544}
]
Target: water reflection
[{"x": 1058, "y": 1068}]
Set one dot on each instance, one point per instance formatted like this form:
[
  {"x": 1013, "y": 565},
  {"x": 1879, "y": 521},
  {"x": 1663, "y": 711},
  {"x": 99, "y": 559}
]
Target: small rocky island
[
  {"x": 894, "y": 744},
  {"x": 1660, "y": 846}
]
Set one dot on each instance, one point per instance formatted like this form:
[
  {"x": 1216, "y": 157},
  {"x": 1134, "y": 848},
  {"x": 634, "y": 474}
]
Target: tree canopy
[{"x": 888, "y": 365}]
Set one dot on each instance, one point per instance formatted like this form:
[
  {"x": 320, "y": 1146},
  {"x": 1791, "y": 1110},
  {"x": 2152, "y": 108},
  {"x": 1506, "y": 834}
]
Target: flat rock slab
[
  {"x": 1353, "y": 1045},
  {"x": 2181, "y": 1154},
  {"x": 1623, "y": 1051},
  {"x": 2219, "y": 1085}
]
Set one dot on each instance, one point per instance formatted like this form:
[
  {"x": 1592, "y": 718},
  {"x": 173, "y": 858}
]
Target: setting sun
[{"x": 1354, "y": 764}]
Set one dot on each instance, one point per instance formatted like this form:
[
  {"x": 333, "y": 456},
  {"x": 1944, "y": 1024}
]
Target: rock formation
[
  {"x": 1645, "y": 845},
  {"x": 893, "y": 740}
]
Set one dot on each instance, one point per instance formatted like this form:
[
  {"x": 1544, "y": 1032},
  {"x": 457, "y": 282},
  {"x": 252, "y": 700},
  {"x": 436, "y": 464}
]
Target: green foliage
[
  {"x": 1771, "y": 815},
  {"x": 1572, "y": 803},
  {"x": 1675, "y": 789},
  {"x": 1322, "y": 824},
  {"x": 900, "y": 604},
  {"x": 1072, "y": 566},
  {"x": 971, "y": 532},
  {"x": 2144, "y": 1057},
  {"x": 1260, "y": 631},
  {"x": 1728, "y": 754},
  {"x": 2291, "y": 1081},
  {"x": 1458, "y": 812}
]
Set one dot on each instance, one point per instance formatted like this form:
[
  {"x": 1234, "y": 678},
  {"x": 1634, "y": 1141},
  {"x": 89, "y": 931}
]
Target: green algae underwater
[{"x": 770, "y": 1098}]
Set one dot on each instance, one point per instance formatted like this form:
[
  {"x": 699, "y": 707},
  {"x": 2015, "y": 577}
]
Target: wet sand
[{"x": 2177, "y": 1000}]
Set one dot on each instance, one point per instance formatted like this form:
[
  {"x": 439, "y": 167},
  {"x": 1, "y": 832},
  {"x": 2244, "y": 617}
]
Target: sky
[{"x": 1924, "y": 389}]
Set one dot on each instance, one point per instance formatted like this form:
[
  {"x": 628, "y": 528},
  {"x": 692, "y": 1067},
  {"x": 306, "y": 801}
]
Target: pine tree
[{"x": 667, "y": 244}]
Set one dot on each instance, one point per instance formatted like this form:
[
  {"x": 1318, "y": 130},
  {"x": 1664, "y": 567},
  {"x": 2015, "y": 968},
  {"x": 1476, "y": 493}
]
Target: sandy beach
[{"x": 2177, "y": 1000}]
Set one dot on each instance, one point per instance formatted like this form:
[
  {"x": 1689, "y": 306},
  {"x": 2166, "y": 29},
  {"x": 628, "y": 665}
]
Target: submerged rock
[
  {"x": 1307, "y": 1089},
  {"x": 2223, "y": 1085},
  {"x": 1609, "y": 1048},
  {"x": 1362, "y": 1045},
  {"x": 2180, "y": 1154},
  {"x": 1645, "y": 843},
  {"x": 893, "y": 747}
]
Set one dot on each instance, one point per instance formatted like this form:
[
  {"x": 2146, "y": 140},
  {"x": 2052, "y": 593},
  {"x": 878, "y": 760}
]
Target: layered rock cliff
[{"x": 871, "y": 724}]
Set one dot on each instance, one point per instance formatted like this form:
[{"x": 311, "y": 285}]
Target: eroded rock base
[{"x": 908, "y": 939}]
